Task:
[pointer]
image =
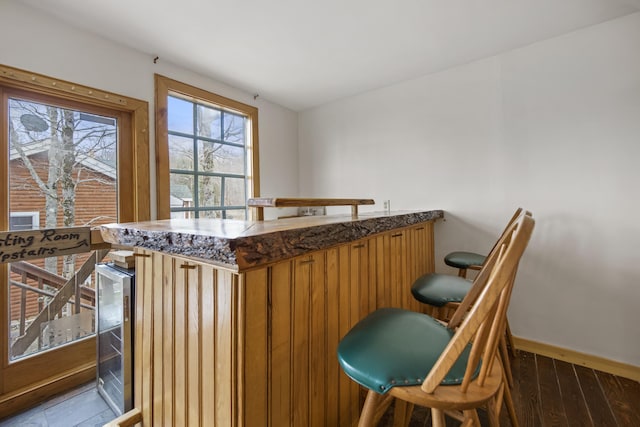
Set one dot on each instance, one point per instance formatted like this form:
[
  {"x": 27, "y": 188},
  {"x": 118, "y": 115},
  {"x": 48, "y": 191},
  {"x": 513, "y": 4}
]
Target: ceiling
[{"x": 305, "y": 53}]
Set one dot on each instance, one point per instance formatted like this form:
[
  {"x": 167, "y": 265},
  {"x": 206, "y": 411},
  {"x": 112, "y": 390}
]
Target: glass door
[
  {"x": 70, "y": 156},
  {"x": 62, "y": 173},
  {"x": 114, "y": 309}
]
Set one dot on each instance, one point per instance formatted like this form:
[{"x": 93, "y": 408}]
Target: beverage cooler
[{"x": 115, "y": 310}]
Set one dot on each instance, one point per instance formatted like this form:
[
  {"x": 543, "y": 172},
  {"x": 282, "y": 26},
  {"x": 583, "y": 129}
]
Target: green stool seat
[
  {"x": 439, "y": 289},
  {"x": 463, "y": 259},
  {"x": 394, "y": 347}
]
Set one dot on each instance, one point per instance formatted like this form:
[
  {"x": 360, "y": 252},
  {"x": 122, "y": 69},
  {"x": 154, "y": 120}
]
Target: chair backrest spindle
[{"x": 482, "y": 314}]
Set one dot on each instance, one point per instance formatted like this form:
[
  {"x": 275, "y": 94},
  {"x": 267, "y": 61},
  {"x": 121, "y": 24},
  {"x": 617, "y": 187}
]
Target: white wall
[
  {"x": 553, "y": 127},
  {"x": 37, "y": 42}
]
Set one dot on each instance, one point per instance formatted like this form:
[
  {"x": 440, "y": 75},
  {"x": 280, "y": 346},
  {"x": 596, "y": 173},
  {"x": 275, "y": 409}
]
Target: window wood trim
[
  {"x": 133, "y": 197},
  {"x": 166, "y": 86}
]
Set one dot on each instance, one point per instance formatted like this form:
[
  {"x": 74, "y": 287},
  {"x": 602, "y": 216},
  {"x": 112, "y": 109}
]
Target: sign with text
[{"x": 23, "y": 245}]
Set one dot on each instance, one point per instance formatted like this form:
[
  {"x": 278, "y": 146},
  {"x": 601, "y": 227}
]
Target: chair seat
[
  {"x": 439, "y": 289},
  {"x": 452, "y": 397},
  {"x": 394, "y": 347},
  {"x": 463, "y": 259}
]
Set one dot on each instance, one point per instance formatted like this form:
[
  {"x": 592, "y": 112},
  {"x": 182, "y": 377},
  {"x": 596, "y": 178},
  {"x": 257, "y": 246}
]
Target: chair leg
[
  {"x": 494, "y": 419},
  {"x": 471, "y": 418},
  {"x": 402, "y": 413},
  {"x": 437, "y": 418},
  {"x": 469, "y": 423},
  {"x": 381, "y": 408},
  {"x": 508, "y": 401},
  {"x": 512, "y": 345},
  {"x": 367, "y": 417},
  {"x": 506, "y": 363}
]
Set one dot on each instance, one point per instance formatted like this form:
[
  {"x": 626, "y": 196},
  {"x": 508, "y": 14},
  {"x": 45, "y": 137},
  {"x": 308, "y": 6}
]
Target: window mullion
[
  {"x": 196, "y": 158},
  {"x": 222, "y": 187}
]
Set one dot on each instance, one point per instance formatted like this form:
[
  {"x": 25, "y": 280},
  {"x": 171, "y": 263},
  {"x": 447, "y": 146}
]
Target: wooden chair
[
  {"x": 464, "y": 261},
  {"x": 444, "y": 292},
  {"x": 456, "y": 368}
]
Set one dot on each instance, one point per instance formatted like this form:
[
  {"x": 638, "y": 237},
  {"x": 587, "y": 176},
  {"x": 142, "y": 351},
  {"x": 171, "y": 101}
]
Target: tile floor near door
[{"x": 82, "y": 406}]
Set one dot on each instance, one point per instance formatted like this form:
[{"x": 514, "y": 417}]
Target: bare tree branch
[{"x": 27, "y": 163}]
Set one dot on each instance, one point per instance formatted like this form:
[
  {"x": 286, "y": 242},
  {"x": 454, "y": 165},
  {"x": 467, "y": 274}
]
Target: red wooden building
[{"x": 95, "y": 203}]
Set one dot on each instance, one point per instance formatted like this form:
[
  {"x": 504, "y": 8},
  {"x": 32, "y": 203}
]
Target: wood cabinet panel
[
  {"x": 421, "y": 260},
  {"x": 280, "y": 378},
  {"x": 172, "y": 280},
  {"x": 332, "y": 332},
  {"x": 318, "y": 356},
  {"x": 185, "y": 350},
  {"x": 398, "y": 267},
  {"x": 381, "y": 259},
  {"x": 300, "y": 371},
  {"x": 209, "y": 346},
  {"x": 253, "y": 352}
]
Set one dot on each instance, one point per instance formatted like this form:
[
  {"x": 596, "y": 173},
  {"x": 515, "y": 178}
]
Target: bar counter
[
  {"x": 237, "y": 322},
  {"x": 240, "y": 245}
]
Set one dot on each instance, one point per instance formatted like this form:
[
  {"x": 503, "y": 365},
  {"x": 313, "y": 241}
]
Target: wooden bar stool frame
[
  {"x": 462, "y": 272},
  {"x": 480, "y": 320}
]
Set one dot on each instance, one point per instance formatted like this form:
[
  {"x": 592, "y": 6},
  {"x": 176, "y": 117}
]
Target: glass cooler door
[{"x": 114, "y": 336}]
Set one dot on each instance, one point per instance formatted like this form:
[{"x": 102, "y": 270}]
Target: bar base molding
[
  {"x": 16, "y": 401},
  {"x": 577, "y": 358}
]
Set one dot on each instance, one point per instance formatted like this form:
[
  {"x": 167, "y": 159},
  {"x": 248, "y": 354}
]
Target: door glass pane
[
  {"x": 62, "y": 173},
  {"x": 211, "y": 214},
  {"x": 180, "y": 153},
  {"x": 234, "y": 128},
  {"x": 209, "y": 189},
  {"x": 234, "y": 192},
  {"x": 236, "y": 214},
  {"x": 209, "y": 122},
  {"x": 182, "y": 191},
  {"x": 220, "y": 158},
  {"x": 188, "y": 214},
  {"x": 180, "y": 115}
]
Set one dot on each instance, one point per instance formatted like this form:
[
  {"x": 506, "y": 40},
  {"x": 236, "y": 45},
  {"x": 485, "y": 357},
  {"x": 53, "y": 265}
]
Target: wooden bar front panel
[
  {"x": 216, "y": 348},
  {"x": 185, "y": 345}
]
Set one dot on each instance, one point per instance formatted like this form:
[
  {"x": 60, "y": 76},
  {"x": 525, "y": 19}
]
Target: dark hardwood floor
[{"x": 550, "y": 393}]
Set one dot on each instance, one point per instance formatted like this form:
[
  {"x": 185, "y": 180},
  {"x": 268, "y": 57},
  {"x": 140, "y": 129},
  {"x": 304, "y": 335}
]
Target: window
[
  {"x": 24, "y": 220},
  {"x": 207, "y": 153}
]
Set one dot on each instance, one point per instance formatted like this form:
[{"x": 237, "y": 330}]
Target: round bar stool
[
  {"x": 440, "y": 290},
  {"x": 463, "y": 261}
]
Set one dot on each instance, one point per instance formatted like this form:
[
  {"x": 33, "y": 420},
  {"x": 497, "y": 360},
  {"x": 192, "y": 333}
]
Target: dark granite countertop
[{"x": 240, "y": 245}]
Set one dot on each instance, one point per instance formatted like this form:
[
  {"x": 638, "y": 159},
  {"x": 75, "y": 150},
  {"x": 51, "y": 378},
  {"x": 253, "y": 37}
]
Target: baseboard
[
  {"x": 577, "y": 358},
  {"x": 19, "y": 400}
]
